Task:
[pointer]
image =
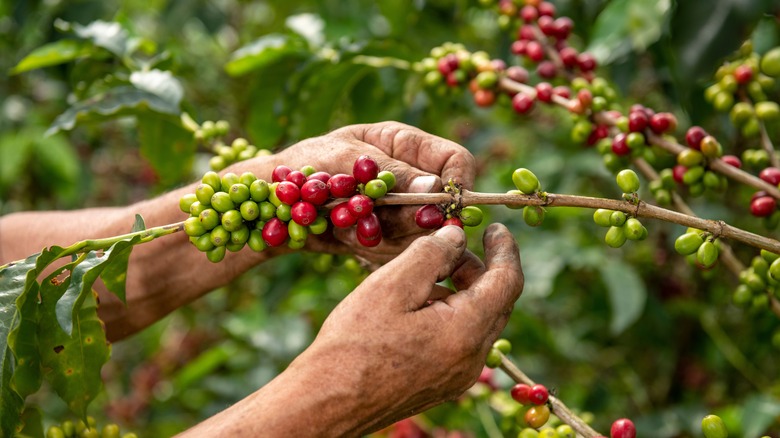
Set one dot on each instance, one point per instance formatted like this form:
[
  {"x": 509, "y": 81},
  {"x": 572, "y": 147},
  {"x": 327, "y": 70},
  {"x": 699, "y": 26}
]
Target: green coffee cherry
[
  {"x": 249, "y": 210},
  {"x": 234, "y": 247},
  {"x": 617, "y": 219},
  {"x": 319, "y": 226},
  {"x": 602, "y": 217},
  {"x": 296, "y": 231},
  {"x": 197, "y": 208},
  {"x": 308, "y": 170},
  {"x": 284, "y": 212},
  {"x": 503, "y": 345},
  {"x": 634, "y": 229},
  {"x": 232, "y": 220},
  {"x": 240, "y": 236},
  {"x": 525, "y": 181},
  {"x": 228, "y": 180},
  {"x": 388, "y": 177},
  {"x": 628, "y": 181},
  {"x": 220, "y": 236},
  {"x": 742, "y": 296},
  {"x": 375, "y": 189},
  {"x": 688, "y": 243},
  {"x": 565, "y": 431},
  {"x": 471, "y": 216},
  {"x": 217, "y": 254},
  {"x": 255, "y": 241},
  {"x": 247, "y": 178},
  {"x": 493, "y": 358},
  {"x": 296, "y": 244},
  {"x": 239, "y": 193},
  {"x": 217, "y": 163},
  {"x": 259, "y": 190},
  {"x": 690, "y": 158},
  {"x": 615, "y": 237},
  {"x": 769, "y": 256},
  {"x": 193, "y": 227},
  {"x": 693, "y": 175},
  {"x": 204, "y": 192},
  {"x": 533, "y": 215},
  {"x": 110, "y": 431},
  {"x": 203, "y": 242},
  {"x": 272, "y": 198},
  {"x": 55, "y": 432},
  {"x": 185, "y": 202},
  {"x": 774, "y": 270},
  {"x": 713, "y": 427},
  {"x": 267, "y": 211},
  {"x": 209, "y": 218},
  {"x": 707, "y": 254},
  {"x": 221, "y": 202},
  {"x": 212, "y": 179}
]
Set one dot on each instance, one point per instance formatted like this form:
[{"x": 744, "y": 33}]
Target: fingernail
[
  {"x": 422, "y": 184},
  {"x": 452, "y": 234}
]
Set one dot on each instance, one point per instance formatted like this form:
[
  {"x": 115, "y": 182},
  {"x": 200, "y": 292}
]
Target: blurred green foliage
[{"x": 631, "y": 332}]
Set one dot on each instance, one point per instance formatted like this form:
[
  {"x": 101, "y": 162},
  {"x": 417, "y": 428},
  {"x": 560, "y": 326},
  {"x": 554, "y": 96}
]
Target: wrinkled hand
[
  {"x": 402, "y": 355},
  {"x": 420, "y": 162}
]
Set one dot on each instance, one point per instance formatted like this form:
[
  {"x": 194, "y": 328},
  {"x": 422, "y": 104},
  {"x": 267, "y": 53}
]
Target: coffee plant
[{"x": 624, "y": 155}]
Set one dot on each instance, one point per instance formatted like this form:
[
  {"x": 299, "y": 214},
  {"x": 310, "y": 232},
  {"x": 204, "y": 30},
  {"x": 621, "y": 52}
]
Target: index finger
[{"x": 425, "y": 151}]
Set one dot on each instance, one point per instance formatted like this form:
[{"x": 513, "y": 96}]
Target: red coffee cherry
[
  {"x": 296, "y": 177},
  {"x": 763, "y": 206},
  {"x": 322, "y": 176},
  {"x": 732, "y": 160},
  {"x": 562, "y": 91},
  {"x": 546, "y": 24},
  {"x": 546, "y": 8},
  {"x": 770, "y": 175},
  {"x": 360, "y": 206},
  {"x": 586, "y": 62},
  {"x": 369, "y": 230},
  {"x": 453, "y": 221},
  {"x": 484, "y": 98},
  {"x": 521, "y": 393},
  {"x": 303, "y": 213},
  {"x": 637, "y": 121},
  {"x": 518, "y": 47},
  {"x": 342, "y": 185},
  {"x": 280, "y": 173},
  {"x": 694, "y": 135},
  {"x": 743, "y": 74},
  {"x": 678, "y": 172},
  {"x": 288, "y": 192},
  {"x": 544, "y": 91},
  {"x": 619, "y": 145},
  {"x": 429, "y": 217},
  {"x": 562, "y": 27},
  {"x": 538, "y": 394},
  {"x": 529, "y": 13},
  {"x": 534, "y": 51},
  {"x": 315, "y": 191},
  {"x": 547, "y": 70},
  {"x": 275, "y": 232},
  {"x": 569, "y": 56},
  {"x": 522, "y": 103},
  {"x": 365, "y": 169},
  {"x": 526, "y": 33},
  {"x": 622, "y": 428},
  {"x": 517, "y": 74},
  {"x": 341, "y": 217}
]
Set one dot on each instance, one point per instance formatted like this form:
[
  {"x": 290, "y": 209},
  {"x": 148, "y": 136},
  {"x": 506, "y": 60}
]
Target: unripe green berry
[
  {"x": 533, "y": 215},
  {"x": 226, "y": 152},
  {"x": 217, "y": 163},
  {"x": 232, "y": 220},
  {"x": 267, "y": 211},
  {"x": 212, "y": 179},
  {"x": 240, "y": 236},
  {"x": 319, "y": 225},
  {"x": 220, "y": 236},
  {"x": 707, "y": 254},
  {"x": 193, "y": 227},
  {"x": 204, "y": 192},
  {"x": 503, "y": 345},
  {"x": 756, "y": 283},
  {"x": 217, "y": 254},
  {"x": 769, "y": 256},
  {"x": 221, "y": 202},
  {"x": 234, "y": 247},
  {"x": 55, "y": 432},
  {"x": 493, "y": 358},
  {"x": 690, "y": 158},
  {"x": 525, "y": 181},
  {"x": 635, "y": 140},
  {"x": 110, "y": 431},
  {"x": 197, "y": 208},
  {"x": 203, "y": 243},
  {"x": 375, "y": 189},
  {"x": 487, "y": 79},
  {"x": 471, "y": 216},
  {"x": 259, "y": 190},
  {"x": 634, "y": 229},
  {"x": 255, "y": 241},
  {"x": 565, "y": 431},
  {"x": 228, "y": 180},
  {"x": 239, "y": 193},
  {"x": 602, "y": 217},
  {"x": 247, "y": 178},
  {"x": 250, "y": 210},
  {"x": 272, "y": 198},
  {"x": 628, "y": 181},
  {"x": 284, "y": 212},
  {"x": 296, "y": 244},
  {"x": 768, "y": 110},
  {"x": 693, "y": 175},
  {"x": 742, "y": 296},
  {"x": 713, "y": 427},
  {"x": 688, "y": 243},
  {"x": 615, "y": 237},
  {"x": 209, "y": 218},
  {"x": 774, "y": 270},
  {"x": 297, "y": 231},
  {"x": 185, "y": 202},
  {"x": 617, "y": 219},
  {"x": 388, "y": 177}
]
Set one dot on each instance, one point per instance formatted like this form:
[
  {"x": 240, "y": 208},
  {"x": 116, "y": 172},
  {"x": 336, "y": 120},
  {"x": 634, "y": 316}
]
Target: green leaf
[
  {"x": 627, "y": 293},
  {"x": 32, "y": 423},
  {"x": 16, "y": 148},
  {"x": 169, "y": 147},
  {"x": 23, "y": 341},
  {"x": 628, "y": 25},
  {"x": 265, "y": 51},
  {"x": 139, "y": 224},
  {"x": 203, "y": 365},
  {"x": 758, "y": 414},
  {"x": 72, "y": 364},
  {"x": 10, "y": 402},
  {"x": 57, "y": 159},
  {"x": 268, "y": 106},
  {"x": 82, "y": 277},
  {"x": 106, "y": 34},
  {"x": 55, "y": 53},
  {"x": 118, "y": 101},
  {"x": 114, "y": 274},
  {"x": 160, "y": 83}
]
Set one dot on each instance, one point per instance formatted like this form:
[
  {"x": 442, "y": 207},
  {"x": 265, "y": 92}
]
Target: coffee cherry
[
  {"x": 388, "y": 177},
  {"x": 284, "y": 212},
  {"x": 517, "y": 73},
  {"x": 239, "y": 193},
  {"x": 586, "y": 62},
  {"x": 522, "y": 103},
  {"x": 637, "y": 121},
  {"x": 232, "y": 220},
  {"x": 280, "y": 173},
  {"x": 688, "y": 243},
  {"x": 217, "y": 254},
  {"x": 763, "y": 206},
  {"x": 219, "y": 236},
  {"x": 493, "y": 358},
  {"x": 537, "y": 416},
  {"x": 521, "y": 393},
  {"x": 275, "y": 232},
  {"x": 368, "y": 230},
  {"x": 547, "y": 70},
  {"x": 267, "y": 210},
  {"x": 533, "y": 215},
  {"x": 217, "y": 163},
  {"x": 525, "y": 181},
  {"x": 622, "y": 428},
  {"x": 297, "y": 231},
  {"x": 710, "y": 147},
  {"x": 255, "y": 241},
  {"x": 620, "y": 145},
  {"x": 315, "y": 192},
  {"x": 296, "y": 177},
  {"x": 471, "y": 216},
  {"x": 221, "y": 202},
  {"x": 690, "y": 157},
  {"x": 538, "y": 394},
  {"x": 770, "y": 63},
  {"x": 288, "y": 192},
  {"x": 360, "y": 206},
  {"x": 239, "y": 236},
  {"x": 342, "y": 185},
  {"x": 713, "y": 427},
  {"x": 694, "y": 135},
  {"x": 321, "y": 176},
  {"x": 203, "y": 193},
  {"x": 707, "y": 254},
  {"x": 429, "y": 217},
  {"x": 375, "y": 189},
  {"x": 209, "y": 218},
  {"x": 249, "y": 210},
  {"x": 203, "y": 242},
  {"x": 617, "y": 219},
  {"x": 186, "y": 201},
  {"x": 628, "y": 181},
  {"x": 663, "y": 122},
  {"x": 212, "y": 179},
  {"x": 303, "y": 213},
  {"x": 615, "y": 237},
  {"x": 544, "y": 91},
  {"x": 602, "y": 217},
  {"x": 770, "y": 175},
  {"x": 341, "y": 217},
  {"x": 228, "y": 180},
  {"x": 193, "y": 227},
  {"x": 634, "y": 229},
  {"x": 365, "y": 169},
  {"x": 319, "y": 225},
  {"x": 259, "y": 190}
]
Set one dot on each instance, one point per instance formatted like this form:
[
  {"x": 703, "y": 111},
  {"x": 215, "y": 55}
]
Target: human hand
[
  {"x": 420, "y": 161},
  {"x": 400, "y": 355}
]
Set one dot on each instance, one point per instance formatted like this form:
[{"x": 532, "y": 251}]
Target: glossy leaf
[
  {"x": 23, "y": 341},
  {"x": 108, "y": 35},
  {"x": 627, "y": 293},
  {"x": 265, "y": 51},
  {"x": 114, "y": 274},
  {"x": 759, "y": 412},
  {"x": 628, "y": 25},
  {"x": 58, "y": 52},
  {"x": 160, "y": 83},
  {"x": 72, "y": 363},
  {"x": 82, "y": 277},
  {"x": 267, "y": 119},
  {"x": 167, "y": 145}
]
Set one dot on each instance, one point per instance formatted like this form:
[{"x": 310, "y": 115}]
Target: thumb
[{"x": 412, "y": 276}]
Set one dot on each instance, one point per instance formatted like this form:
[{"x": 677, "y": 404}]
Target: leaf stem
[{"x": 766, "y": 143}]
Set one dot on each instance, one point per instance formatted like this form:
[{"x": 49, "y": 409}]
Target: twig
[
  {"x": 556, "y": 405},
  {"x": 766, "y": 143}
]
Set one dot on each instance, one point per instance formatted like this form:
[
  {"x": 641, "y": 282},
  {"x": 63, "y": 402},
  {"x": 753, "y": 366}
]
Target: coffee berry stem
[
  {"x": 766, "y": 143},
  {"x": 556, "y": 405}
]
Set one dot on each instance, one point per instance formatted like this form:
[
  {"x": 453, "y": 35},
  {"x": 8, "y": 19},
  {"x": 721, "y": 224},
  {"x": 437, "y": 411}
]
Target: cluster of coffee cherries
[
  {"x": 759, "y": 281},
  {"x": 231, "y": 211},
  {"x": 434, "y": 216},
  {"x": 622, "y": 227},
  {"x": 80, "y": 429},
  {"x": 701, "y": 247},
  {"x": 526, "y": 183},
  {"x": 238, "y": 150},
  {"x": 763, "y": 205}
]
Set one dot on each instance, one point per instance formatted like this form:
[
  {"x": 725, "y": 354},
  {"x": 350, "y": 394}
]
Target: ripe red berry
[
  {"x": 369, "y": 241},
  {"x": 743, "y": 74},
  {"x": 586, "y": 61},
  {"x": 369, "y": 227},
  {"x": 322, "y": 176},
  {"x": 315, "y": 191},
  {"x": 544, "y": 91},
  {"x": 619, "y": 145},
  {"x": 303, "y": 213},
  {"x": 365, "y": 169},
  {"x": 360, "y": 206},
  {"x": 275, "y": 232},
  {"x": 520, "y": 393},
  {"x": 637, "y": 121},
  {"x": 517, "y": 74},
  {"x": 547, "y": 70},
  {"x": 341, "y": 217},
  {"x": 732, "y": 160},
  {"x": 546, "y": 8},
  {"x": 526, "y": 33},
  {"x": 448, "y": 64},
  {"x": 288, "y": 192},
  {"x": 678, "y": 172},
  {"x": 522, "y": 103},
  {"x": 770, "y": 175},
  {"x": 538, "y": 394},
  {"x": 296, "y": 177},
  {"x": 453, "y": 221},
  {"x": 534, "y": 51},
  {"x": 694, "y": 135},
  {"x": 484, "y": 98},
  {"x": 280, "y": 173},
  {"x": 663, "y": 122},
  {"x": 518, "y": 47},
  {"x": 429, "y": 217},
  {"x": 763, "y": 206},
  {"x": 569, "y": 56},
  {"x": 562, "y": 91},
  {"x": 529, "y": 13},
  {"x": 562, "y": 27},
  {"x": 585, "y": 97},
  {"x": 622, "y": 428},
  {"x": 342, "y": 185},
  {"x": 546, "y": 24}
]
